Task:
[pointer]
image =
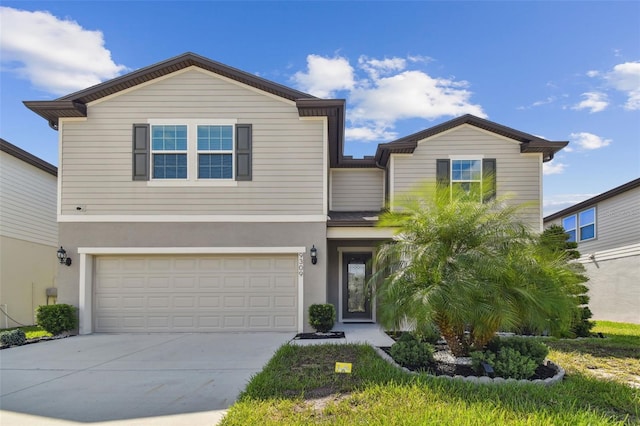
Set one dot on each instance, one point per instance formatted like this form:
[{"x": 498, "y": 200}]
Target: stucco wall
[
  {"x": 75, "y": 235},
  {"x": 28, "y": 269},
  {"x": 614, "y": 289}
]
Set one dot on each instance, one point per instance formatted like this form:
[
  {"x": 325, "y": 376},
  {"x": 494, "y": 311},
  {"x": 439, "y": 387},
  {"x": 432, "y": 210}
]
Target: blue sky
[{"x": 560, "y": 70}]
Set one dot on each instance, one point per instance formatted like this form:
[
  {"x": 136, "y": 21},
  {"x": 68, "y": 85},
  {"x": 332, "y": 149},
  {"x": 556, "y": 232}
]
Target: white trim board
[
  {"x": 360, "y": 232},
  {"x": 191, "y": 250},
  {"x": 257, "y": 218}
]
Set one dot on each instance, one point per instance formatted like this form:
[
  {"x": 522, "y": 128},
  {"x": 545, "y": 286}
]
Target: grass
[
  {"x": 298, "y": 386},
  {"x": 31, "y": 331}
]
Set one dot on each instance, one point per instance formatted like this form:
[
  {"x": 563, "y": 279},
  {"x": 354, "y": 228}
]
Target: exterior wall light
[
  {"x": 314, "y": 254},
  {"x": 62, "y": 257}
]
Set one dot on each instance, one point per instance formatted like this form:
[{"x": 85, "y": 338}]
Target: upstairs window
[
  {"x": 215, "y": 152},
  {"x": 581, "y": 226},
  {"x": 466, "y": 175},
  {"x": 192, "y": 152},
  {"x": 474, "y": 176},
  {"x": 169, "y": 152}
]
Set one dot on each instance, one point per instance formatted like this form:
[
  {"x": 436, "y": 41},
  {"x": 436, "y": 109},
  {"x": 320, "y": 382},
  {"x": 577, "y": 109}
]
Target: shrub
[
  {"x": 513, "y": 357},
  {"x": 57, "y": 319},
  {"x": 526, "y": 346},
  {"x": 478, "y": 357},
  {"x": 407, "y": 337},
  {"x": 411, "y": 353},
  {"x": 13, "y": 337},
  {"x": 582, "y": 326},
  {"x": 512, "y": 364},
  {"x": 427, "y": 332},
  {"x": 322, "y": 317}
]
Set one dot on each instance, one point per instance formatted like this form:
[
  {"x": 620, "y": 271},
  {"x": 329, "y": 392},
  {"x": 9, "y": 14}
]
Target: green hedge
[{"x": 57, "y": 319}]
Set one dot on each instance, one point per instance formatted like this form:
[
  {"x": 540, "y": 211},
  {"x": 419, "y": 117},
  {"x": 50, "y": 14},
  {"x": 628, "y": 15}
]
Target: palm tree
[{"x": 469, "y": 267}]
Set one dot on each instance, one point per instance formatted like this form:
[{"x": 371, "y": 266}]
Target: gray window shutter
[
  {"x": 489, "y": 178},
  {"x": 243, "y": 151},
  {"x": 141, "y": 148},
  {"x": 443, "y": 172}
]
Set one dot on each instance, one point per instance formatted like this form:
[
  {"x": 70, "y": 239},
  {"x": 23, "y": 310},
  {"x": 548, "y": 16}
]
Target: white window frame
[
  {"x": 453, "y": 158},
  {"x": 169, "y": 152},
  {"x": 579, "y": 225},
  {"x": 192, "y": 152},
  {"x": 221, "y": 151}
]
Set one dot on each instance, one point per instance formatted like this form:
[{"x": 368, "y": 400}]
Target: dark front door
[{"x": 356, "y": 294}]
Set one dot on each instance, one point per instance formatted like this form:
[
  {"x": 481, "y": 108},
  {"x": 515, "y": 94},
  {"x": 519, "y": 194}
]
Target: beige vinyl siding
[
  {"x": 357, "y": 189},
  {"x": 28, "y": 198},
  {"x": 518, "y": 175},
  {"x": 287, "y": 152},
  {"x": 617, "y": 222}
]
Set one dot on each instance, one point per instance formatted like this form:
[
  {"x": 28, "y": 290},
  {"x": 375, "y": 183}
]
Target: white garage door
[{"x": 195, "y": 293}]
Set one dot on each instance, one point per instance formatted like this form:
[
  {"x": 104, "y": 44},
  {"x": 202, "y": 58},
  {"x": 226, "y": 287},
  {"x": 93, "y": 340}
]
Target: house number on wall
[{"x": 301, "y": 264}]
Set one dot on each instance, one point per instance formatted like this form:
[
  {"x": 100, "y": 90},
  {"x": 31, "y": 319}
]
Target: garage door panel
[
  {"x": 158, "y": 302},
  {"x": 159, "y": 282},
  {"x": 195, "y": 293},
  {"x": 212, "y": 282}
]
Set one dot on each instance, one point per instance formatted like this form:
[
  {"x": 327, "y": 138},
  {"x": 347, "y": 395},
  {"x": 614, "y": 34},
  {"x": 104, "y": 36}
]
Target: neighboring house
[
  {"x": 28, "y": 234},
  {"x": 607, "y": 230},
  {"x": 193, "y": 196}
]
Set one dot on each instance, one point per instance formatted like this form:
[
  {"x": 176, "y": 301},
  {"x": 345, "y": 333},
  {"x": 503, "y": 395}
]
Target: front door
[{"x": 356, "y": 294}]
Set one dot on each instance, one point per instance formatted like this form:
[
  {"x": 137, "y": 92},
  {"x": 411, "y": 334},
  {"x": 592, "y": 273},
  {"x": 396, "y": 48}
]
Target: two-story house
[
  {"x": 607, "y": 230},
  {"x": 198, "y": 197},
  {"x": 28, "y": 234}
]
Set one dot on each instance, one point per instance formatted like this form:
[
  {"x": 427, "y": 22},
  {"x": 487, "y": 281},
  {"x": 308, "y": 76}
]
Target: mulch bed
[{"x": 443, "y": 369}]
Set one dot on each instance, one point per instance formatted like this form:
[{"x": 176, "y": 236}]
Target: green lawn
[{"x": 298, "y": 386}]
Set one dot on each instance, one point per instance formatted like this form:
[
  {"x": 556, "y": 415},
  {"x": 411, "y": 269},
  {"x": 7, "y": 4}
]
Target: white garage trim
[{"x": 86, "y": 271}]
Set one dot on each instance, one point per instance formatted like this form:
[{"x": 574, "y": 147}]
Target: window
[
  {"x": 215, "y": 152},
  {"x": 192, "y": 152},
  {"x": 581, "y": 226},
  {"x": 569, "y": 225},
  {"x": 169, "y": 152},
  {"x": 475, "y": 176},
  {"x": 467, "y": 176}
]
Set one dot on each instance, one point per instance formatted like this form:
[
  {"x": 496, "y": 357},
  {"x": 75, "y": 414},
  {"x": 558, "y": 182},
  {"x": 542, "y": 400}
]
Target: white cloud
[
  {"x": 626, "y": 78},
  {"x": 593, "y": 73},
  {"x": 55, "y": 55},
  {"x": 553, "y": 168},
  {"x": 383, "y": 91},
  {"x": 594, "y": 102},
  {"x": 369, "y": 134},
  {"x": 589, "y": 141},
  {"x": 377, "y": 67},
  {"x": 325, "y": 76},
  {"x": 559, "y": 202}
]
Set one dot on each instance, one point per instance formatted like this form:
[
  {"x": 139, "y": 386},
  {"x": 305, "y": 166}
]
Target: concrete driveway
[{"x": 132, "y": 379}]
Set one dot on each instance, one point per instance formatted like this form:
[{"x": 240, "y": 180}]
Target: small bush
[
  {"x": 478, "y": 357},
  {"x": 513, "y": 357},
  {"x": 582, "y": 326},
  {"x": 322, "y": 317},
  {"x": 526, "y": 346},
  {"x": 427, "y": 332},
  {"x": 512, "y": 364},
  {"x": 411, "y": 353},
  {"x": 57, "y": 319},
  {"x": 407, "y": 337},
  {"x": 13, "y": 337}
]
